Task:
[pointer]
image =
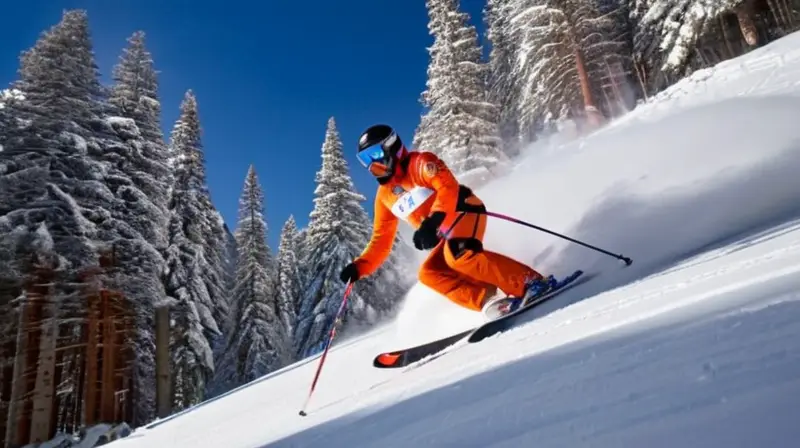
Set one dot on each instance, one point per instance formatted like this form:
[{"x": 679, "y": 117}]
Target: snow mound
[{"x": 656, "y": 192}]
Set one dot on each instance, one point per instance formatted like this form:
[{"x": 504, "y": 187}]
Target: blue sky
[{"x": 267, "y": 75}]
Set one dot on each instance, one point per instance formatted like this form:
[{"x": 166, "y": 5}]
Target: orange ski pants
[{"x": 460, "y": 269}]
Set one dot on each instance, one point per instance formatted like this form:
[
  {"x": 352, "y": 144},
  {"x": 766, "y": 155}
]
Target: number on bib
[{"x": 410, "y": 201}]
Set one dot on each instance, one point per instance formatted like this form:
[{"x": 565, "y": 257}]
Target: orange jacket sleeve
[
  {"x": 428, "y": 170},
  {"x": 384, "y": 228}
]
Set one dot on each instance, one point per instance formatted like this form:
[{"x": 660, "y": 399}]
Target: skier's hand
[
  {"x": 427, "y": 236},
  {"x": 349, "y": 273}
]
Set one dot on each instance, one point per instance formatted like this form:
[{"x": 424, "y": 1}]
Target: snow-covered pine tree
[
  {"x": 134, "y": 98},
  {"x": 300, "y": 250},
  {"x": 503, "y": 87},
  {"x": 192, "y": 303},
  {"x": 461, "y": 125},
  {"x": 289, "y": 282},
  {"x": 215, "y": 254},
  {"x": 301, "y": 243},
  {"x": 562, "y": 49},
  {"x": 421, "y": 133},
  {"x": 338, "y": 231},
  {"x": 49, "y": 175},
  {"x": 666, "y": 33},
  {"x": 255, "y": 347},
  {"x": 134, "y": 95},
  {"x": 7, "y": 122},
  {"x": 62, "y": 174},
  {"x": 231, "y": 254}
]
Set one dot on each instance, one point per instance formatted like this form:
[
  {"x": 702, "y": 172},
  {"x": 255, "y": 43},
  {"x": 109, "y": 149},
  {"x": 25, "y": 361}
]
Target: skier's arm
[
  {"x": 380, "y": 244},
  {"x": 430, "y": 171}
]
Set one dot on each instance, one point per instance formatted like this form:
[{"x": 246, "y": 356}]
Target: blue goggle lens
[{"x": 371, "y": 154}]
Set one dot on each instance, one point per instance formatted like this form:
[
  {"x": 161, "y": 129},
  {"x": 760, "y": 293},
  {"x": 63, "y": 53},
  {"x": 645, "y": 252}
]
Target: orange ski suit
[{"x": 458, "y": 268}]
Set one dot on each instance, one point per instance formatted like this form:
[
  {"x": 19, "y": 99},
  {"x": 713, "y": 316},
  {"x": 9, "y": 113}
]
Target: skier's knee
[
  {"x": 460, "y": 246},
  {"x": 426, "y": 278}
]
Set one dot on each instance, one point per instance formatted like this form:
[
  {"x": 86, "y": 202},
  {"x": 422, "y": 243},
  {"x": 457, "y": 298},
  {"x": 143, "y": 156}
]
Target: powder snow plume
[{"x": 669, "y": 180}]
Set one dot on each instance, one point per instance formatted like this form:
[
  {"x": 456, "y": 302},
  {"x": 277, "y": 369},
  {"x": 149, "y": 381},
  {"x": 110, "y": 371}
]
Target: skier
[{"x": 417, "y": 187}]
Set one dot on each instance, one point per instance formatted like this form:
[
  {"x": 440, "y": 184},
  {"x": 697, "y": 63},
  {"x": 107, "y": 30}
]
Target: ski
[{"x": 406, "y": 356}]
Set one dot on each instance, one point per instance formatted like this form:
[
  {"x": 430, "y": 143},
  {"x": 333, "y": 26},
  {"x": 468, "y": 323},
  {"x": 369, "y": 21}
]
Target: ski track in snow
[{"x": 694, "y": 345}]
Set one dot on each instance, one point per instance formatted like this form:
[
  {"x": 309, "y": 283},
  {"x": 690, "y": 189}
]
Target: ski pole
[
  {"x": 327, "y": 345},
  {"x": 627, "y": 260}
]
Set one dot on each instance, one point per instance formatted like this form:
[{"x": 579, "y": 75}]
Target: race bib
[{"x": 410, "y": 201}]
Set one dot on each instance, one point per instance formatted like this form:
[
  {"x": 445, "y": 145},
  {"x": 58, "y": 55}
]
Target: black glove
[
  {"x": 427, "y": 236},
  {"x": 349, "y": 273}
]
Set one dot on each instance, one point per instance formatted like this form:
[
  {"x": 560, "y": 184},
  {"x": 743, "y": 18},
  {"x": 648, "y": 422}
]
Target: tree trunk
[
  {"x": 163, "y": 382},
  {"x": 42, "y": 426},
  {"x": 744, "y": 14},
  {"x": 641, "y": 75},
  {"x": 777, "y": 13},
  {"x": 16, "y": 424},
  {"x": 108, "y": 360},
  {"x": 593, "y": 115},
  {"x": 724, "y": 27},
  {"x": 7, "y": 358},
  {"x": 90, "y": 402}
]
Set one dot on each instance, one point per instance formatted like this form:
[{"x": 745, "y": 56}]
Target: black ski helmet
[{"x": 383, "y": 136}]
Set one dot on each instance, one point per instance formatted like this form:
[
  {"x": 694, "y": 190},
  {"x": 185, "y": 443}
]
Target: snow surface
[{"x": 694, "y": 345}]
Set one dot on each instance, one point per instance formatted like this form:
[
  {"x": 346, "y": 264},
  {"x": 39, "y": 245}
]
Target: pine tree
[
  {"x": 134, "y": 97},
  {"x": 49, "y": 174},
  {"x": 338, "y": 231},
  {"x": 461, "y": 126},
  {"x": 302, "y": 254},
  {"x": 137, "y": 261},
  {"x": 562, "y": 49},
  {"x": 7, "y": 122},
  {"x": 229, "y": 273},
  {"x": 666, "y": 34},
  {"x": 503, "y": 86},
  {"x": 255, "y": 346},
  {"x": 187, "y": 263},
  {"x": 65, "y": 176},
  {"x": 289, "y": 282},
  {"x": 52, "y": 169},
  {"x": 215, "y": 254}
]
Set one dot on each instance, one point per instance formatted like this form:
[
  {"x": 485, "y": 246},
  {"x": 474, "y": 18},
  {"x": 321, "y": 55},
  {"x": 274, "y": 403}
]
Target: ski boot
[
  {"x": 539, "y": 287},
  {"x": 500, "y": 306}
]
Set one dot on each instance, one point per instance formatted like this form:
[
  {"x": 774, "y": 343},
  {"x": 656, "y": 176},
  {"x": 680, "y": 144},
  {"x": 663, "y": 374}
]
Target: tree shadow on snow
[{"x": 661, "y": 384}]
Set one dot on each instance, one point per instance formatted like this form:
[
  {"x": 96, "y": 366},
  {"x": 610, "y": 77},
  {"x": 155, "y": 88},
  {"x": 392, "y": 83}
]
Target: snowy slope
[{"x": 695, "y": 344}]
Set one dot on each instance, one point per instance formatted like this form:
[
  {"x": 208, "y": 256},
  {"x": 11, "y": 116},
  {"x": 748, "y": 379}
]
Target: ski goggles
[{"x": 375, "y": 160}]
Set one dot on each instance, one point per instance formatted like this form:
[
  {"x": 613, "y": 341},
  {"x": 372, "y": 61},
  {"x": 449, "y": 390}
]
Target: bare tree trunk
[
  {"x": 90, "y": 397},
  {"x": 641, "y": 75},
  {"x": 744, "y": 14},
  {"x": 789, "y": 15},
  {"x": 56, "y": 416},
  {"x": 723, "y": 25},
  {"x": 15, "y": 433},
  {"x": 777, "y": 12},
  {"x": 163, "y": 382},
  {"x": 8, "y": 335},
  {"x": 108, "y": 359},
  {"x": 42, "y": 424},
  {"x": 593, "y": 115}
]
